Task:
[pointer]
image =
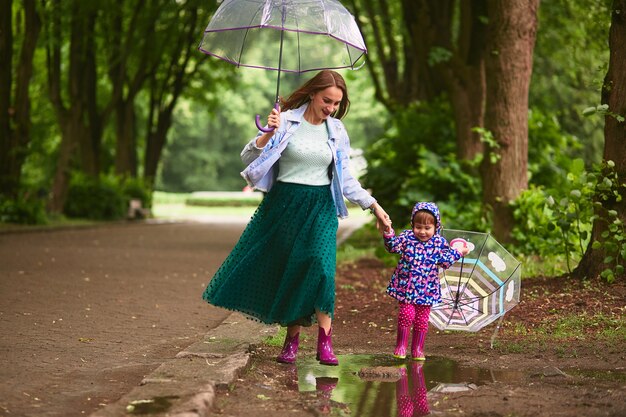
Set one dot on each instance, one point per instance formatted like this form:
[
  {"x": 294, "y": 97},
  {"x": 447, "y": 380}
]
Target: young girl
[{"x": 415, "y": 281}]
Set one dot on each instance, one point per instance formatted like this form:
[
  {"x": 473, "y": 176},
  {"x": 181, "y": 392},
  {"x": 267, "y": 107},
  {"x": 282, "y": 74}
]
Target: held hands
[{"x": 383, "y": 222}]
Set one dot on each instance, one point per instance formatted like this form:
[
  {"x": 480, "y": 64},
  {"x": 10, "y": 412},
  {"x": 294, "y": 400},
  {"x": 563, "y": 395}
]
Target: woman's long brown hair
[{"x": 321, "y": 81}]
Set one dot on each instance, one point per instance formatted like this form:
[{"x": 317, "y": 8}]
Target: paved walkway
[{"x": 89, "y": 314}]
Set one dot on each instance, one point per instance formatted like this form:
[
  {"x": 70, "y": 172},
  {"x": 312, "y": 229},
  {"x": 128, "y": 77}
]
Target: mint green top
[{"x": 306, "y": 158}]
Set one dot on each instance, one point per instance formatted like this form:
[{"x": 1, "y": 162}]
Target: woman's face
[{"x": 323, "y": 103}]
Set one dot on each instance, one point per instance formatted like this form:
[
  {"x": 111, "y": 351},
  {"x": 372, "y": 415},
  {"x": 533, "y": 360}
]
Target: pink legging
[{"x": 416, "y": 315}]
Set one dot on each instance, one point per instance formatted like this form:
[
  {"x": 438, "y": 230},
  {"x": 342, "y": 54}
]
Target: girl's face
[
  {"x": 323, "y": 103},
  {"x": 423, "y": 231}
]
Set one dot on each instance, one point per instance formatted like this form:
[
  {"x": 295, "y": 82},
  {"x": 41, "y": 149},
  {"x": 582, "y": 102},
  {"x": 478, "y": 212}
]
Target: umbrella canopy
[
  {"x": 479, "y": 288},
  {"x": 285, "y": 35}
]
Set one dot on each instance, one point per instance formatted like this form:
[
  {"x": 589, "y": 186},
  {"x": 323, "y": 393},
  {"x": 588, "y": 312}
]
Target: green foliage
[
  {"x": 104, "y": 198},
  {"x": 551, "y": 151},
  {"x": 556, "y": 221},
  {"x": 487, "y": 138},
  {"x": 137, "y": 188},
  {"x": 95, "y": 198},
  {"x": 23, "y": 210},
  {"x": 438, "y": 55},
  {"x": 602, "y": 110},
  {"x": 569, "y": 63},
  {"x": 610, "y": 191},
  {"x": 416, "y": 161}
]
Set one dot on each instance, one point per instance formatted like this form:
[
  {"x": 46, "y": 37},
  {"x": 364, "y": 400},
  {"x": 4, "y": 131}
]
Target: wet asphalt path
[{"x": 86, "y": 313}]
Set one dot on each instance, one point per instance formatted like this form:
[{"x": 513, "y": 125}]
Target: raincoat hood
[{"x": 431, "y": 208}]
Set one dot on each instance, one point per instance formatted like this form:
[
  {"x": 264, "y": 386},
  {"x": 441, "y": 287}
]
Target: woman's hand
[
  {"x": 273, "y": 120},
  {"x": 383, "y": 222}
]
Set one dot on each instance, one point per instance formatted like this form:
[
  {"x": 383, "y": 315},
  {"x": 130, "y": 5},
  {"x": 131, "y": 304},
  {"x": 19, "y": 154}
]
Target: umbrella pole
[
  {"x": 280, "y": 57},
  {"x": 495, "y": 333}
]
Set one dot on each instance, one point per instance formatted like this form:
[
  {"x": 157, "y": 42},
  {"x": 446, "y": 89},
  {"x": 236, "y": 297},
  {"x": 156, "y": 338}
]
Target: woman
[{"x": 282, "y": 270}]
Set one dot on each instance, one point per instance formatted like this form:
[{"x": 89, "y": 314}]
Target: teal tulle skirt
[{"x": 282, "y": 268}]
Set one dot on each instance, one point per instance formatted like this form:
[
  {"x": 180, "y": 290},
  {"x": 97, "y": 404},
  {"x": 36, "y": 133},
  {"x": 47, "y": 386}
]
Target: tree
[
  {"x": 511, "y": 37},
  {"x": 179, "y": 63},
  {"x": 15, "y": 120},
  {"x": 77, "y": 110},
  {"x": 607, "y": 246},
  {"x": 463, "y": 70},
  {"x": 399, "y": 34}
]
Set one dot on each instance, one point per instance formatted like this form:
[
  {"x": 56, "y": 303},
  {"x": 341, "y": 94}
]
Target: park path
[{"x": 86, "y": 313}]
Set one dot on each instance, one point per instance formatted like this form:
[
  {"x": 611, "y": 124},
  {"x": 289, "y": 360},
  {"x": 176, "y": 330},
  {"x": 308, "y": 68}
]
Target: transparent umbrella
[
  {"x": 479, "y": 288},
  {"x": 285, "y": 36}
]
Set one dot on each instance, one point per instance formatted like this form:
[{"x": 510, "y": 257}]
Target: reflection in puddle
[{"x": 402, "y": 394}]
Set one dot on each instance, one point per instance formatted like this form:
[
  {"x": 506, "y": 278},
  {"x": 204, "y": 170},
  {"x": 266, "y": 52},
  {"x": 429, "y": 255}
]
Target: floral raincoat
[{"x": 416, "y": 277}]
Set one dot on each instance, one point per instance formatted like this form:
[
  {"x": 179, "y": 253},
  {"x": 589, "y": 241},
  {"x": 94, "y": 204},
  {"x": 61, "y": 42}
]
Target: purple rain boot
[
  {"x": 290, "y": 349},
  {"x": 417, "y": 345},
  {"x": 325, "y": 348},
  {"x": 402, "y": 341}
]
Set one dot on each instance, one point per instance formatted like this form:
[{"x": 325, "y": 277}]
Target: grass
[
  {"x": 599, "y": 327},
  {"x": 277, "y": 339}
]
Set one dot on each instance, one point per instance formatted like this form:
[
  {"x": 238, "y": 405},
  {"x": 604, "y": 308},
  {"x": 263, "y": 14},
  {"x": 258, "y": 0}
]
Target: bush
[
  {"x": 416, "y": 161},
  {"x": 136, "y": 188},
  {"x": 22, "y": 211},
  {"x": 96, "y": 198}
]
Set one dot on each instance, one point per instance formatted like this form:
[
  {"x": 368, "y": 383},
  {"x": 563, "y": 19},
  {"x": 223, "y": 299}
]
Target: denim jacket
[{"x": 261, "y": 171}]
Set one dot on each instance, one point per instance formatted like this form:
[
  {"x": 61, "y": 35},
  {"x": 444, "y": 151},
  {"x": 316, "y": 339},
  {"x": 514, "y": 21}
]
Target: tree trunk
[
  {"x": 511, "y": 37},
  {"x": 164, "y": 96},
  {"x": 78, "y": 119},
  {"x": 61, "y": 180},
  {"x": 15, "y": 117},
  {"x": 83, "y": 88},
  {"x": 614, "y": 94},
  {"x": 126, "y": 143},
  {"x": 7, "y": 185},
  {"x": 465, "y": 80}
]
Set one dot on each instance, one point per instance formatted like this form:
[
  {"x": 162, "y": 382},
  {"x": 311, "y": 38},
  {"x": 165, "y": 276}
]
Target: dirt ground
[{"x": 549, "y": 375}]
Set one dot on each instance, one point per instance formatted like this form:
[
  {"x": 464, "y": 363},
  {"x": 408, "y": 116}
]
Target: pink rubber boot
[
  {"x": 420, "y": 328},
  {"x": 420, "y": 399},
  {"x": 403, "y": 397},
  {"x": 290, "y": 349},
  {"x": 325, "y": 348},
  {"x": 406, "y": 315}
]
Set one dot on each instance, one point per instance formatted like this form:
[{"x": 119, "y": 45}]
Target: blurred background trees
[{"x": 495, "y": 109}]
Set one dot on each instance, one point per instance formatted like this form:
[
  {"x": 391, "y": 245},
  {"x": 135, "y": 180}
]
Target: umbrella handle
[{"x": 259, "y": 126}]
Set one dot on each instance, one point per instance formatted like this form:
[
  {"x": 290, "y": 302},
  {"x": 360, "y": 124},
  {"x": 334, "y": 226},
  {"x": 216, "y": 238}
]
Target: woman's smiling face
[{"x": 323, "y": 103}]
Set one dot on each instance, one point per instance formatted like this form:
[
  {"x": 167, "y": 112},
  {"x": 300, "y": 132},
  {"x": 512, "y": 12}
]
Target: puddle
[
  {"x": 379, "y": 385},
  {"x": 151, "y": 406},
  {"x": 399, "y": 386}
]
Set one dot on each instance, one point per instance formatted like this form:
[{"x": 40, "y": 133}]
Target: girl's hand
[{"x": 388, "y": 232}]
